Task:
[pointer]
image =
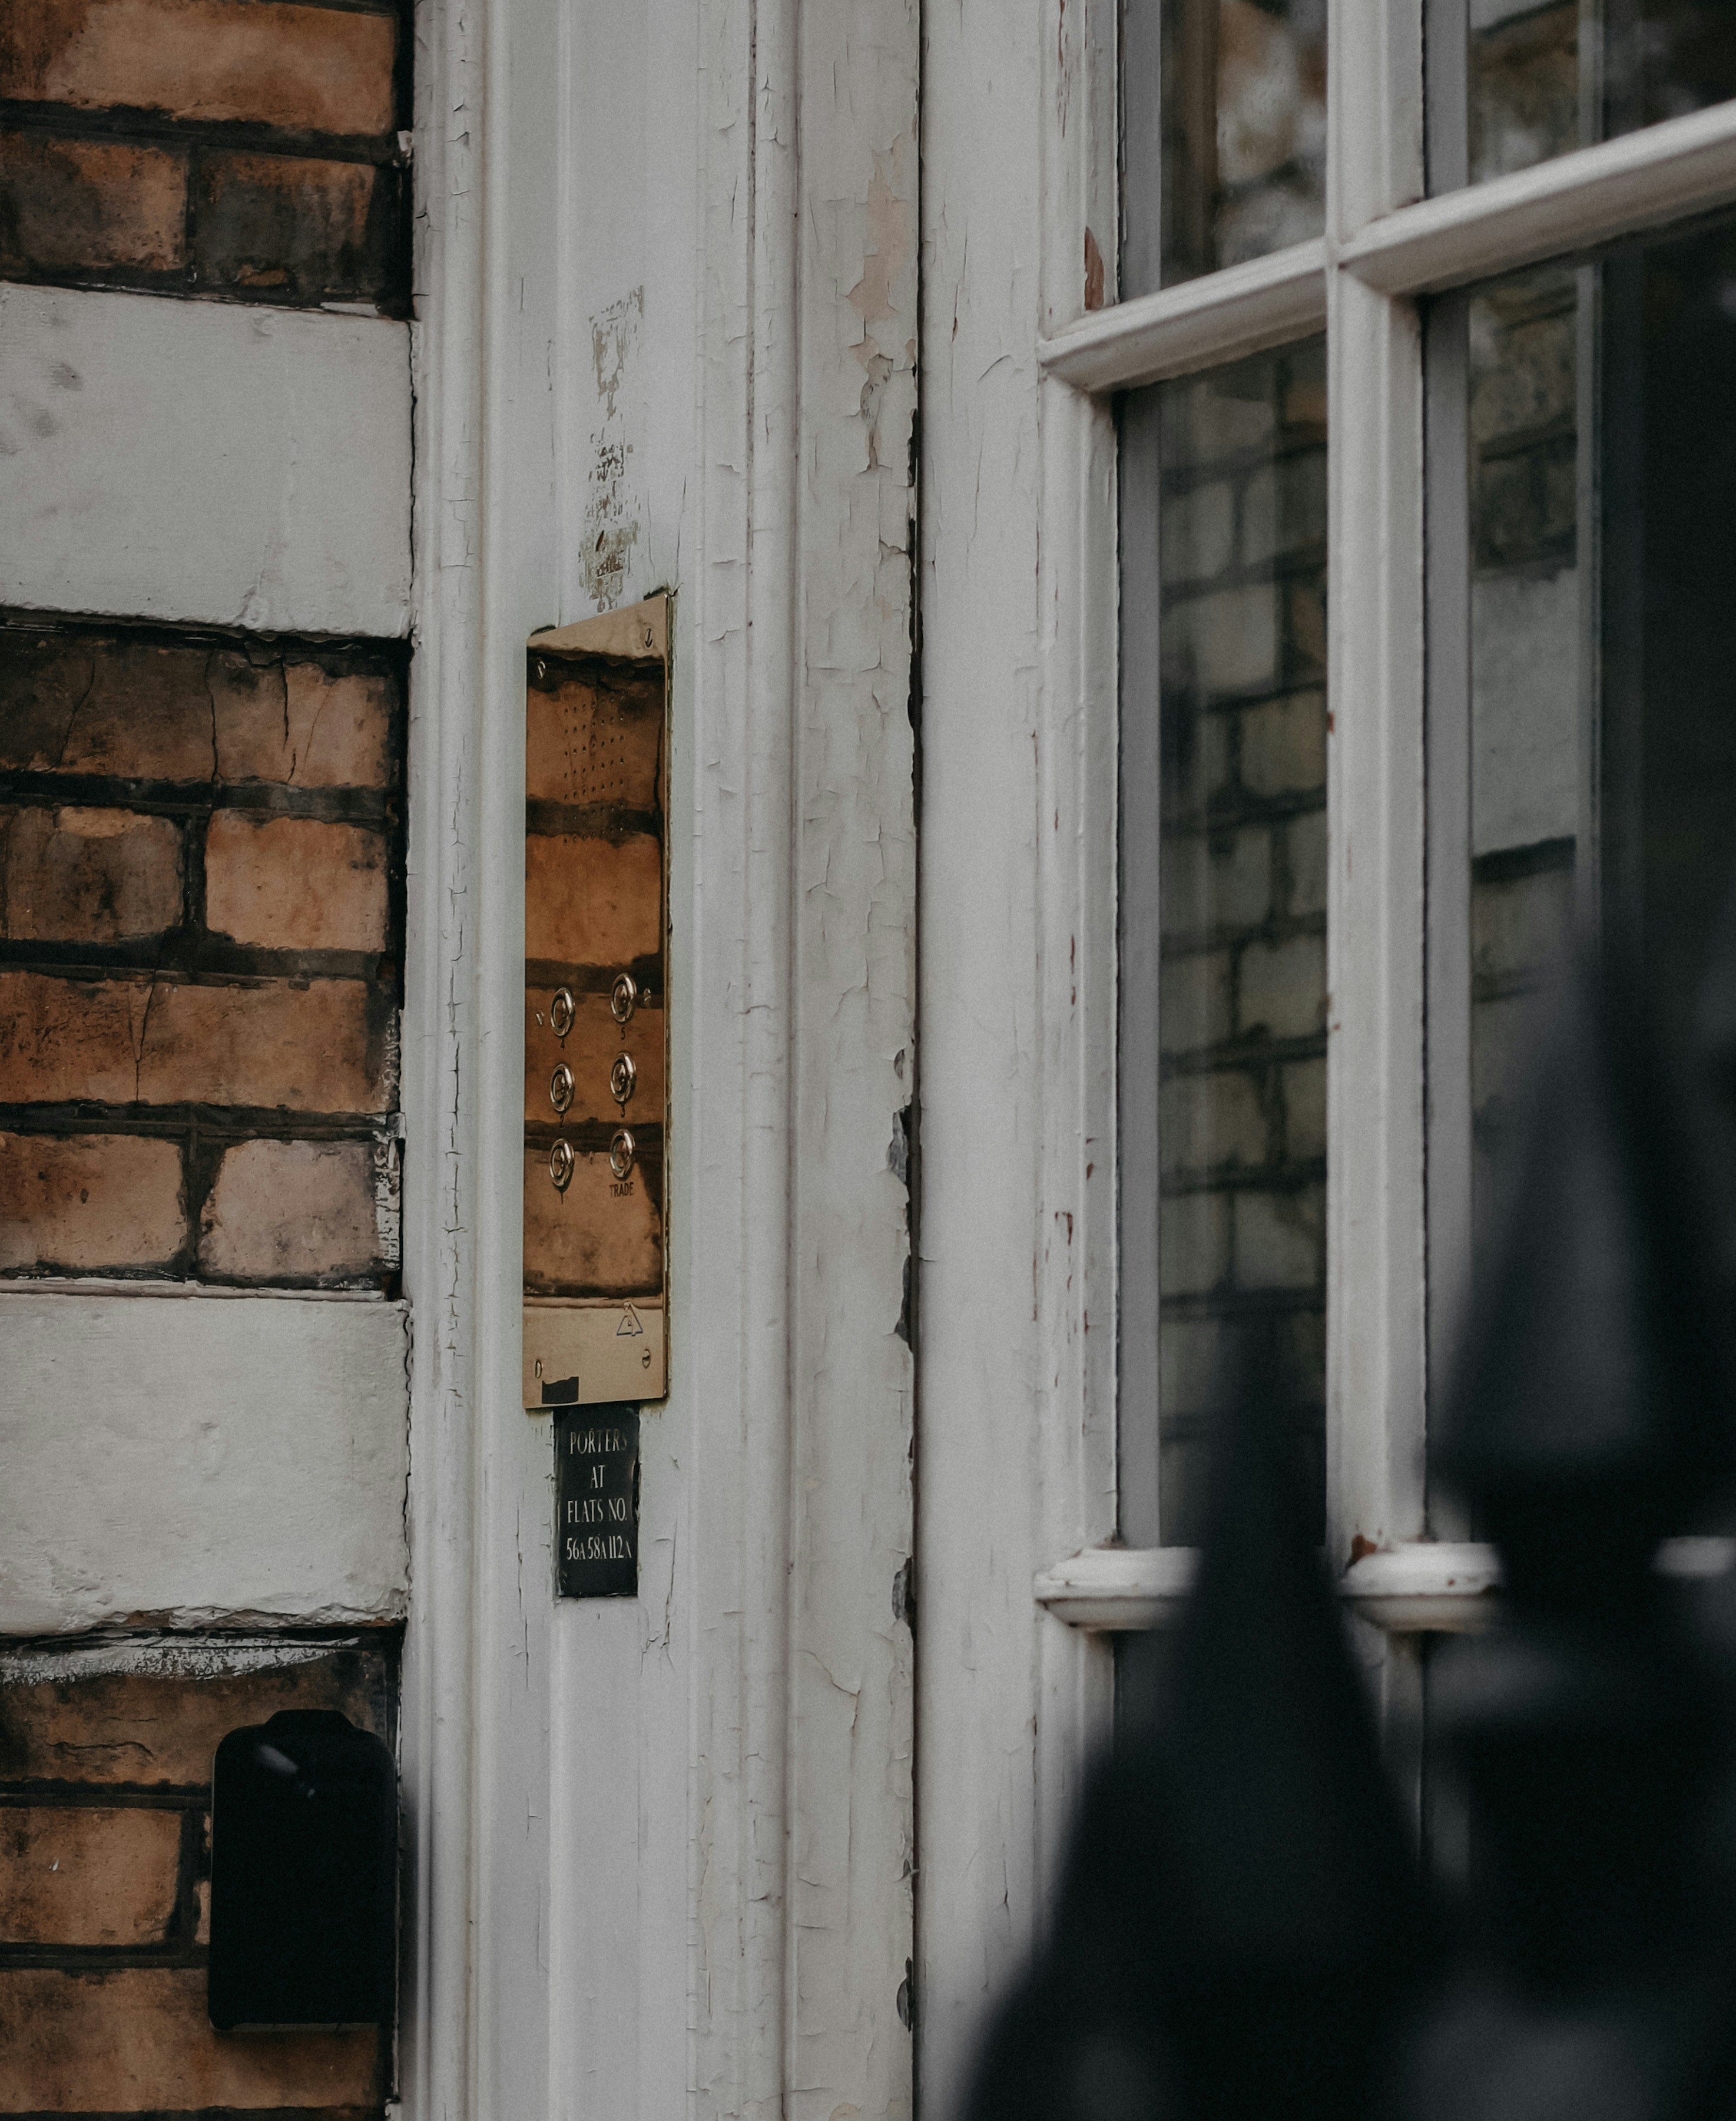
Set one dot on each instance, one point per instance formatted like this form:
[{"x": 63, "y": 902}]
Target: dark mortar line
[
  {"x": 1305, "y": 568},
  {"x": 1210, "y": 942},
  {"x": 47, "y": 1795},
  {"x": 1236, "y": 466},
  {"x": 1236, "y": 1056},
  {"x": 99, "y": 1958},
  {"x": 1245, "y": 1302},
  {"x": 191, "y": 958},
  {"x": 347, "y": 653},
  {"x": 1230, "y": 814},
  {"x": 1291, "y": 1176},
  {"x": 381, "y": 1282},
  {"x": 1301, "y": 563},
  {"x": 124, "y": 125},
  {"x": 224, "y": 1123}
]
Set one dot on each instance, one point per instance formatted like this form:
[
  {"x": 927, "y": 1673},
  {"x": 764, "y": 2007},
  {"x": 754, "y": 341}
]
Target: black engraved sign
[{"x": 596, "y": 1502}]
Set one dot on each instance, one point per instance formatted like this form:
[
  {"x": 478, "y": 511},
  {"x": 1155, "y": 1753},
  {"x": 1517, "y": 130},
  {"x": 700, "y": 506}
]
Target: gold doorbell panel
[{"x": 596, "y": 981}]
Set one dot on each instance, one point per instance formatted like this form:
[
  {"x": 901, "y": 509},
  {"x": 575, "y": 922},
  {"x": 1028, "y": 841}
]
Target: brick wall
[
  {"x": 251, "y": 150},
  {"x": 105, "y": 1866},
  {"x": 1242, "y": 999},
  {"x": 202, "y": 919},
  {"x": 1524, "y": 96},
  {"x": 201, "y": 949},
  {"x": 1243, "y": 129}
]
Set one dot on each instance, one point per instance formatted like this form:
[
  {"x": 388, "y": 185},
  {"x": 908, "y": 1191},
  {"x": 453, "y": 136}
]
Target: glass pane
[
  {"x": 1240, "y": 166},
  {"x": 1601, "y": 423},
  {"x": 1529, "y": 690},
  {"x": 1241, "y": 905},
  {"x": 1540, "y": 80}
]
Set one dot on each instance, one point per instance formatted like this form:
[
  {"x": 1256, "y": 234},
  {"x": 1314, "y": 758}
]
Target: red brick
[
  {"x": 295, "y": 883},
  {"x": 93, "y": 703},
  {"x": 316, "y": 69},
  {"x": 88, "y": 875},
  {"x": 304, "y": 1048},
  {"x": 303, "y": 230},
  {"x": 593, "y": 901},
  {"x": 87, "y": 1874},
  {"x": 65, "y": 1039},
  {"x": 293, "y": 722},
  {"x": 161, "y": 1728},
  {"x": 305, "y": 1045},
  {"x": 293, "y": 1211},
  {"x": 142, "y": 711},
  {"x": 73, "y": 205},
  {"x": 589, "y": 1239},
  {"x": 138, "y": 2040},
  {"x": 83, "y": 703},
  {"x": 87, "y": 1203}
]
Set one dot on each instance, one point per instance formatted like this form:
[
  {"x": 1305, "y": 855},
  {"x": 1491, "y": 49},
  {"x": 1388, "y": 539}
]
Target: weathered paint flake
[{"x": 612, "y": 527}]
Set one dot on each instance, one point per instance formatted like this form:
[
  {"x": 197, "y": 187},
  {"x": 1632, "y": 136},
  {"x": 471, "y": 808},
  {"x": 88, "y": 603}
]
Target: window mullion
[{"x": 1375, "y": 1292}]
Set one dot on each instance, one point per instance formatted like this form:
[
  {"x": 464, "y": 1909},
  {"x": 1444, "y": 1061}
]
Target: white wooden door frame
[
  {"x": 662, "y": 1851},
  {"x": 1017, "y": 1364}
]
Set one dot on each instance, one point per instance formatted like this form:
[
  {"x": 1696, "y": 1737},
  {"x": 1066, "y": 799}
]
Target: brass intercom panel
[{"x": 596, "y": 981}]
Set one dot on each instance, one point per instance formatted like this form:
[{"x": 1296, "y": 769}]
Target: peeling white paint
[
  {"x": 611, "y": 526},
  {"x": 671, "y": 1840},
  {"x": 188, "y": 1464},
  {"x": 1018, "y": 985},
  {"x": 201, "y": 460}
]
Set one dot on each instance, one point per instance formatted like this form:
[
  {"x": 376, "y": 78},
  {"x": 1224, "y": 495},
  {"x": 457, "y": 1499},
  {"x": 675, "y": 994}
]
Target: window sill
[{"x": 1428, "y": 1586}]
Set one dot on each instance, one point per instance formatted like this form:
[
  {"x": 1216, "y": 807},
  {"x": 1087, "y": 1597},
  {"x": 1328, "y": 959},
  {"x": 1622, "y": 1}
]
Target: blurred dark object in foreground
[
  {"x": 1240, "y": 1921},
  {"x": 1242, "y": 1928}
]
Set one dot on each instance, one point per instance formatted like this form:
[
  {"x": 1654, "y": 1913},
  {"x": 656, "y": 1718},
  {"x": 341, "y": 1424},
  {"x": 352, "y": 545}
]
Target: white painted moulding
[
  {"x": 1221, "y": 316},
  {"x": 1428, "y": 1586},
  {"x": 1119, "y": 1587},
  {"x": 203, "y": 461},
  {"x": 1686, "y": 166},
  {"x": 184, "y": 1464}
]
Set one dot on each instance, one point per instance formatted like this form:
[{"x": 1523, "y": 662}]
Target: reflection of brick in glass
[
  {"x": 1245, "y": 130},
  {"x": 1241, "y": 1117}
]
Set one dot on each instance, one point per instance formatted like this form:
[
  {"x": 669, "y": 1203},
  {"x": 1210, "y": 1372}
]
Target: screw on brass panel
[
  {"x": 621, "y": 1150},
  {"x": 560, "y": 1162},
  {"x": 560, "y": 1087},
  {"x": 622, "y": 1076},
  {"x": 624, "y": 997},
  {"x": 561, "y": 1012}
]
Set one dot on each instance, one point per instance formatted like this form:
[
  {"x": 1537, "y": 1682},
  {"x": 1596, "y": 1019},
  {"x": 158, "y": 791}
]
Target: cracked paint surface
[
  {"x": 852, "y": 1848},
  {"x": 612, "y": 525}
]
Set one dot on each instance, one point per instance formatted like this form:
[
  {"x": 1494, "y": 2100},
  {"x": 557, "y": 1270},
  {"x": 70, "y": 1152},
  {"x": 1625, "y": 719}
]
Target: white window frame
[
  {"x": 1385, "y": 246},
  {"x": 1017, "y": 1352}
]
